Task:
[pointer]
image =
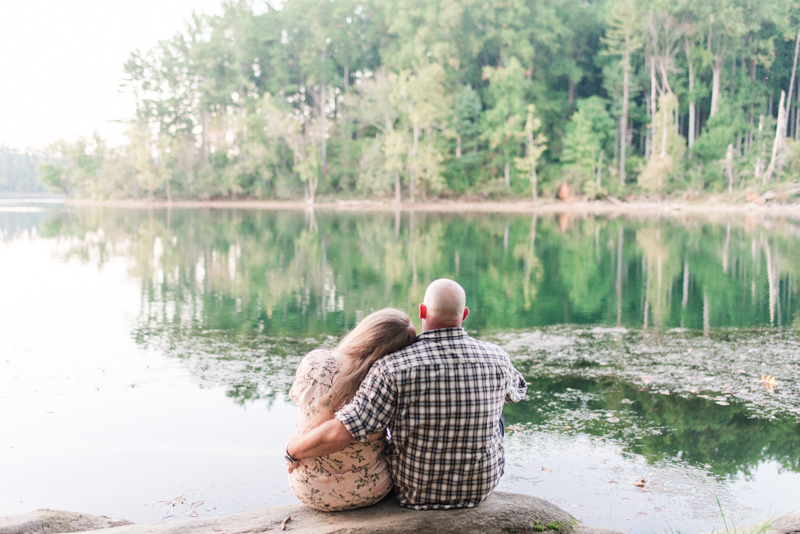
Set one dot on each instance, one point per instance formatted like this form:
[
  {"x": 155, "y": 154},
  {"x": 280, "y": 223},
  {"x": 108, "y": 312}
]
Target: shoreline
[{"x": 593, "y": 207}]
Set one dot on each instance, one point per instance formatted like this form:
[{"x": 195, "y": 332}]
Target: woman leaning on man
[{"x": 326, "y": 380}]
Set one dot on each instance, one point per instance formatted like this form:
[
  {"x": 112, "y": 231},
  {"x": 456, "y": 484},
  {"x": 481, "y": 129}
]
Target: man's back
[{"x": 441, "y": 398}]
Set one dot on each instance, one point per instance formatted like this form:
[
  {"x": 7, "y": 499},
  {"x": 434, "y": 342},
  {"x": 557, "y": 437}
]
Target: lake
[{"x": 146, "y": 355}]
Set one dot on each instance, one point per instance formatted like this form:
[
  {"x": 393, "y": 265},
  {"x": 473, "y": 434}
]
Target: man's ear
[
  {"x": 423, "y": 311},
  {"x": 466, "y": 312}
]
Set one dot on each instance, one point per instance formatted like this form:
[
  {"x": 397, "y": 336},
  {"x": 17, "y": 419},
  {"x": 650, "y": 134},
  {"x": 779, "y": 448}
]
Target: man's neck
[{"x": 435, "y": 325}]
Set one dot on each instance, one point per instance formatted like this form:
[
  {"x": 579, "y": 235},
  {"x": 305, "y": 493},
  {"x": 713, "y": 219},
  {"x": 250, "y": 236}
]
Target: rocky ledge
[
  {"x": 501, "y": 513},
  {"x": 55, "y": 521},
  {"x": 504, "y": 513}
]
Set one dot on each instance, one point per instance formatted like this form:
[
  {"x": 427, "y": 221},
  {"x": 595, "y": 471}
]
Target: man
[{"x": 441, "y": 400}]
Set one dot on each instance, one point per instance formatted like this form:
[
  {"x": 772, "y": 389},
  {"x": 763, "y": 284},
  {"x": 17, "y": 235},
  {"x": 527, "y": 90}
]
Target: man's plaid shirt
[{"x": 441, "y": 399}]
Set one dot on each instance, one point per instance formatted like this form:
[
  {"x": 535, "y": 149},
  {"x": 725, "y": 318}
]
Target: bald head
[{"x": 444, "y": 305}]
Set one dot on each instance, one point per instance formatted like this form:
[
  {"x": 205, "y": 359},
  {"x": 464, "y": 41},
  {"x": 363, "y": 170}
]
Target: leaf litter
[{"x": 754, "y": 366}]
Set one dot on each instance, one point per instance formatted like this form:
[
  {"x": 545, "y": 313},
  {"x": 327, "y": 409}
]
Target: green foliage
[
  {"x": 587, "y": 135},
  {"x": 54, "y": 177},
  {"x": 505, "y": 119},
  {"x": 413, "y": 98},
  {"x": 593, "y": 191},
  {"x": 535, "y": 145}
]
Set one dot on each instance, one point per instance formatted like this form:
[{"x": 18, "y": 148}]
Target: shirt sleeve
[
  {"x": 516, "y": 387},
  {"x": 373, "y": 406}
]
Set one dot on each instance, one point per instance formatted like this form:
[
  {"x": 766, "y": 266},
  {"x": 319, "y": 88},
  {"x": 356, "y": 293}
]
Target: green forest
[{"x": 410, "y": 100}]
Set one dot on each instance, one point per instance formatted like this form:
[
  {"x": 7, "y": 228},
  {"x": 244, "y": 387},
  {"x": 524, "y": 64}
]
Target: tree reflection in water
[{"x": 241, "y": 295}]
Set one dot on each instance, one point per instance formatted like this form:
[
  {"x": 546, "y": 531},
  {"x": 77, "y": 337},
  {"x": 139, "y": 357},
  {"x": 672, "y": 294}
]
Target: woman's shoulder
[
  {"x": 314, "y": 377},
  {"x": 321, "y": 365}
]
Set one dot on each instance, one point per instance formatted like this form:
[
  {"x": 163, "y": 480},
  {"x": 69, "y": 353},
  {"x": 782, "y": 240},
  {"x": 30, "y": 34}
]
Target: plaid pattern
[{"x": 441, "y": 399}]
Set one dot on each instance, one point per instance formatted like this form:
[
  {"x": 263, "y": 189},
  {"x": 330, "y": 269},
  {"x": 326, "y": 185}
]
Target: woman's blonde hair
[{"x": 378, "y": 334}]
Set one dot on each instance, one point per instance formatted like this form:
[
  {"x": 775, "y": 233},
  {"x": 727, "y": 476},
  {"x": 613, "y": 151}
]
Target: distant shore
[{"x": 545, "y": 206}]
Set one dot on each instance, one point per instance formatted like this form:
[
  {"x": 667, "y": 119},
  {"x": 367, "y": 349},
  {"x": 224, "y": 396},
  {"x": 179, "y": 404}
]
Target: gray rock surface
[
  {"x": 500, "y": 513},
  {"x": 55, "y": 521},
  {"x": 504, "y": 513},
  {"x": 788, "y": 524}
]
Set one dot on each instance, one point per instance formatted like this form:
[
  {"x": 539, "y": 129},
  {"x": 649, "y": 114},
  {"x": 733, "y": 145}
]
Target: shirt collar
[{"x": 453, "y": 332}]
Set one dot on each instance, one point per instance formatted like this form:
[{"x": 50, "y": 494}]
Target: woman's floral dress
[{"x": 356, "y": 476}]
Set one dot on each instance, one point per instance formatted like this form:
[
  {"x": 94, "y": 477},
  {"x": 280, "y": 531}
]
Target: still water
[{"x": 145, "y": 355}]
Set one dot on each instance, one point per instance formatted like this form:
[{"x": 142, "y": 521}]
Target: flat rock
[
  {"x": 500, "y": 513},
  {"x": 54, "y": 522},
  {"x": 788, "y": 524}
]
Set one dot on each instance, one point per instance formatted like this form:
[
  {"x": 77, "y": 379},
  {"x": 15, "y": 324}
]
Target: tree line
[
  {"x": 414, "y": 99},
  {"x": 18, "y": 170}
]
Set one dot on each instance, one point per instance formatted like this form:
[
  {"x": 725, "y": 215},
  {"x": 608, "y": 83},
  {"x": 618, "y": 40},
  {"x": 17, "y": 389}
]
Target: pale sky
[{"x": 61, "y": 63}]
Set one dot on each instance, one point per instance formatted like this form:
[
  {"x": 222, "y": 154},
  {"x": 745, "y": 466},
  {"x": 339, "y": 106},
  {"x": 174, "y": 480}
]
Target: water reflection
[
  {"x": 317, "y": 273},
  {"x": 693, "y": 312},
  {"x": 675, "y": 397},
  {"x": 725, "y": 440}
]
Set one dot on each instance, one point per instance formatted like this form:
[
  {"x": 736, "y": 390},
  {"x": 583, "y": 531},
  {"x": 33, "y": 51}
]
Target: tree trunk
[
  {"x": 397, "y": 197},
  {"x": 729, "y": 168},
  {"x": 697, "y": 124},
  {"x": 716, "y": 66},
  {"x": 312, "y": 189},
  {"x": 458, "y": 146},
  {"x": 677, "y": 122},
  {"x": 534, "y": 178},
  {"x": 776, "y": 144},
  {"x": 413, "y": 164},
  {"x": 204, "y": 120},
  {"x": 620, "y": 241},
  {"x": 570, "y": 92},
  {"x": 623, "y": 121},
  {"x": 323, "y": 132},
  {"x": 190, "y": 166},
  {"x": 653, "y": 100},
  {"x": 797, "y": 116},
  {"x": 600, "y": 167},
  {"x": 759, "y": 159},
  {"x": 135, "y": 188},
  {"x": 507, "y": 173}
]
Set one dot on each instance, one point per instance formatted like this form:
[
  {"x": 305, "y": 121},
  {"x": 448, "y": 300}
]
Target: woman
[{"x": 326, "y": 380}]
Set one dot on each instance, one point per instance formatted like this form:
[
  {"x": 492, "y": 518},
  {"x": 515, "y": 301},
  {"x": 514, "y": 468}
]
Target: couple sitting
[{"x": 387, "y": 408}]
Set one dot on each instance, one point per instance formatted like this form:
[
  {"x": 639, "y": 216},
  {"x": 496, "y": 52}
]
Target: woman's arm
[{"x": 329, "y": 437}]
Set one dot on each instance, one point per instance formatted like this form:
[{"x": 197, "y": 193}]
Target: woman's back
[{"x": 356, "y": 476}]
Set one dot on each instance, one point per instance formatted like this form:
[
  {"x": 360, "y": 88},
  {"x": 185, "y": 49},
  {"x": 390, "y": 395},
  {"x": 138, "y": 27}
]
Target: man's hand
[
  {"x": 288, "y": 457},
  {"x": 293, "y": 466},
  {"x": 329, "y": 437}
]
